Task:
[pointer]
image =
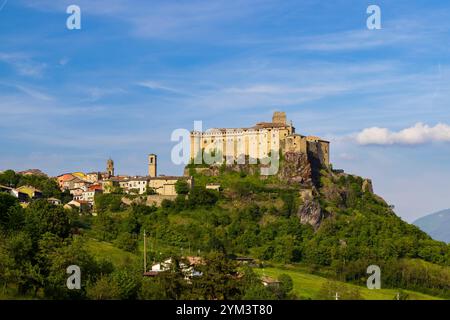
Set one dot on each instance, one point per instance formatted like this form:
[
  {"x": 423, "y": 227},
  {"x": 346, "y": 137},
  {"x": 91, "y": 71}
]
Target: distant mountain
[{"x": 437, "y": 225}]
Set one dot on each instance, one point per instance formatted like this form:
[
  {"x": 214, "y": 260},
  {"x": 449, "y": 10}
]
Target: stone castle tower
[
  {"x": 110, "y": 167},
  {"x": 152, "y": 165},
  {"x": 279, "y": 117}
]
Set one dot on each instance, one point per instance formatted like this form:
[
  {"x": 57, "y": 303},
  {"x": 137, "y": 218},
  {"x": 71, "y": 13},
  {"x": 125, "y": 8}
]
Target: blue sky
[{"x": 137, "y": 70}]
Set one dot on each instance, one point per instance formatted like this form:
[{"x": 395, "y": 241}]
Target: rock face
[
  {"x": 296, "y": 168},
  {"x": 367, "y": 186},
  {"x": 311, "y": 213}
]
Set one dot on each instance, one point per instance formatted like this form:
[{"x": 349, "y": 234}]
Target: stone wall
[{"x": 156, "y": 199}]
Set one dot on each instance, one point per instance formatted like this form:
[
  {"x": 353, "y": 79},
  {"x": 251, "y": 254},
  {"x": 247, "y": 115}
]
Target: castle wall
[
  {"x": 319, "y": 149},
  {"x": 255, "y": 143}
]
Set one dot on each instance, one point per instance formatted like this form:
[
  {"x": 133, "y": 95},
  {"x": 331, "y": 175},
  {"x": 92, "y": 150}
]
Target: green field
[
  {"x": 107, "y": 251},
  {"x": 306, "y": 286}
]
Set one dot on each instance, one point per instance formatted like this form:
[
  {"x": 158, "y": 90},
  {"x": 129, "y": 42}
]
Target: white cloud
[
  {"x": 153, "y": 85},
  {"x": 36, "y": 94},
  {"x": 3, "y": 4},
  {"x": 418, "y": 134},
  {"x": 23, "y": 64}
]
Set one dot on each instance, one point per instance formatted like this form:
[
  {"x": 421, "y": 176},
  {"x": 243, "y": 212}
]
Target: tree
[
  {"x": 128, "y": 281},
  {"x": 219, "y": 279},
  {"x": 105, "y": 226},
  {"x": 200, "y": 196},
  {"x": 149, "y": 191},
  {"x": 11, "y": 213},
  {"x": 252, "y": 287},
  {"x": 9, "y": 178},
  {"x": 105, "y": 288},
  {"x": 286, "y": 285},
  {"x": 108, "y": 202},
  {"x": 289, "y": 203},
  {"x": 182, "y": 187},
  {"x": 55, "y": 255},
  {"x": 127, "y": 242},
  {"x": 42, "y": 217}
]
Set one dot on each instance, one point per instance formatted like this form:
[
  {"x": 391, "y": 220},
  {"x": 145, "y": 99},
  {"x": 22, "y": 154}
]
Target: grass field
[
  {"x": 107, "y": 251},
  {"x": 307, "y": 285}
]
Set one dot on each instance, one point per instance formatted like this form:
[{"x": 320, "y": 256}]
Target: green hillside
[{"x": 333, "y": 224}]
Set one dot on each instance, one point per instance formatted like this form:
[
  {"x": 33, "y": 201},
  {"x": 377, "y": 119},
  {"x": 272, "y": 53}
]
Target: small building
[
  {"x": 165, "y": 185},
  {"x": 188, "y": 270},
  {"x": 89, "y": 195},
  {"x": 162, "y": 266},
  {"x": 54, "y": 201},
  {"x": 138, "y": 184},
  {"x": 76, "y": 192},
  {"x": 93, "y": 177},
  {"x": 213, "y": 186},
  {"x": 63, "y": 180},
  {"x": 22, "y": 196},
  {"x": 270, "y": 282},
  {"x": 32, "y": 192},
  {"x": 162, "y": 185},
  {"x": 79, "y": 183},
  {"x": 81, "y": 205},
  {"x": 110, "y": 183}
]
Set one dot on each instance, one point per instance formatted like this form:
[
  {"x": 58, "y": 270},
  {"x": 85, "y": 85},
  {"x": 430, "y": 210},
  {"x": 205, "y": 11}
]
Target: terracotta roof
[
  {"x": 95, "y": 187},
  {"x": 195, "y": 260},
  {"x": 65, "y": 177}
]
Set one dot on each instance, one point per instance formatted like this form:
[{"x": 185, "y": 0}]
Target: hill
[
  {"x": 437, "y": 225},
  {"x": 324, "y": 219}
]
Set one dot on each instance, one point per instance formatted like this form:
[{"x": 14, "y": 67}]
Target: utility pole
[{"x": 145, "y": 253}]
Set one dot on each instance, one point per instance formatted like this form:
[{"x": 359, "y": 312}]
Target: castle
[{"x": 257, "y": 142}]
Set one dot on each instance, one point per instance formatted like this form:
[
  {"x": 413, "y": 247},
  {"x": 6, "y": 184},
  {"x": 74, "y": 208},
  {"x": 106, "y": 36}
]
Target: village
[{"x": 83, "y": 187}]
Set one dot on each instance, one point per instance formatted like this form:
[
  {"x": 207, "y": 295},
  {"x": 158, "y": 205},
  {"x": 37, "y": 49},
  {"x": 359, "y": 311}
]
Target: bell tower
[
  {"x": 110, "y": 167},
  {"x": 152, "y": 165}
]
